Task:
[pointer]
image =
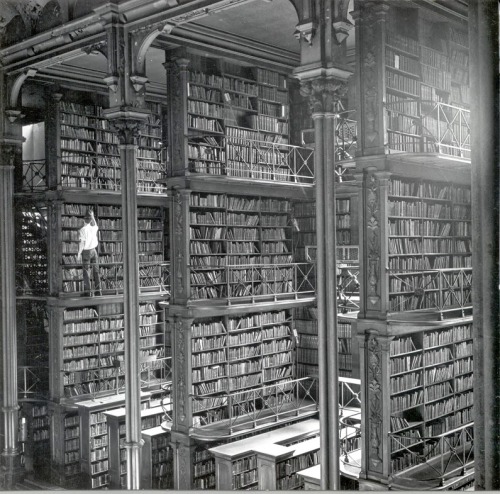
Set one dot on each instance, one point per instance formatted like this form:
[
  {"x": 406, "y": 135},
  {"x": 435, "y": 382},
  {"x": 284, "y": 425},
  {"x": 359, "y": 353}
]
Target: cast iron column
[
  {"x": 483, "y": 33},
  {"x": 10, "y": 155}
]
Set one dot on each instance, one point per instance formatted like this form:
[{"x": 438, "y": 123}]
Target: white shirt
[{"x": 88, "y": 237}]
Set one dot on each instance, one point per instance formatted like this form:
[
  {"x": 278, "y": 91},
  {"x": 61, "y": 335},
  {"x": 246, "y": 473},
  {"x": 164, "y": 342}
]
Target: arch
[
  {"x": 84, "y": 7},
  {"x": 49, "y": 16},
  {"x": 12, "y": 25}
]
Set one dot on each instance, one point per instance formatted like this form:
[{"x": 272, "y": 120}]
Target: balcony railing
[
  {"x": 440, "y": 290},
  {"x": 440, "y": 128},
  {"x": 32, "y": 382},
  {"x": 350, "y": 425},
  {"x": 269, "y": 161},
  {"x": 253, "y": 282},
  {"x": 249, "y": 409},
  {"x": 34, "y": 177},
  {"x": 92, "y": 176},
  {"x": 154, "y": 276},
  {"x": 445, "y": 456}
]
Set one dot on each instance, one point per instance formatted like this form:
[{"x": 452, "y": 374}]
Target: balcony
[
  {"x": 154, "y": 276},
  {"x": 101, "y": 175},
  {"x": 442, "y": 290},
  {"x": 250, "y": 159},
  {"x": 440, "y": 462},
  {"x": 440, "y": 129},
  {"x": 240, "y": 412},
  {"x": 253, "y": 283}
]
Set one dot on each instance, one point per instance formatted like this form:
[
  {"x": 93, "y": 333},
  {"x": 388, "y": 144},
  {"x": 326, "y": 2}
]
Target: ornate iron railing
[
  {"x": 254, "y": 282},
  {"x": 446, "y": 455},
  {"x": 438, "y": 128},
  {"x": 153, "y": 276},
  {"x": 250, "y": 408},
  {"x": 268, "y": 161},
  {"x": 441, "y": 290},
  {"x": 34, "y": 177},
  {"x": 32, "y": 382},
  {"x": 157, "y": 375}
]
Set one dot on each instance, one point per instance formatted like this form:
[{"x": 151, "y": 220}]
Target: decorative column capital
[
  {"x": 323, "y": 93},
  {"x": 128, "y": 129}
]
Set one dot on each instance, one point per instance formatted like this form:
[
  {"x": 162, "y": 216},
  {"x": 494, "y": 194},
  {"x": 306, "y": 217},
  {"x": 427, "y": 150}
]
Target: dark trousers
[{"x": 90, "y": 257}]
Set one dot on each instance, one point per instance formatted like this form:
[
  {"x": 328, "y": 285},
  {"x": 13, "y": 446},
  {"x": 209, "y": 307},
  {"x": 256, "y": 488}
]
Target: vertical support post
[
  {"x": 332, "y": 376},
  {"x": 483, "y": 33},
  {"x": 324, "y": 93},
  {"x": 128, "y": 133},
  {"x": 10, "y": 155}
]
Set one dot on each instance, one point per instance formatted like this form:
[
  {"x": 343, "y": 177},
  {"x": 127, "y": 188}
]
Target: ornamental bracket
[{"x": 306, "y": 30}]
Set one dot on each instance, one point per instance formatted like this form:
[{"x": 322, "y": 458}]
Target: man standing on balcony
[{"x": 87, "y": 254}]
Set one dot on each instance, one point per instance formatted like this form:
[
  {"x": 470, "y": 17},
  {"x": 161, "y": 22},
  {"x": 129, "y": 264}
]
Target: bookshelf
[
  {"x": 90, "y": 157},
  {"x": 240, "y": 246},
  {"x": 237, "y": 123},
  {"x": 429, "y": 245},
  {"x": 72, "y": 467},
  {"x": 267, "y": 461},
  {"x": 93, "y": 348},
  {"x": 431, "y": 383},
  {"x": 152, "y": 228},
  {"x": 157, "y": 470},
  {"x": 36, "y": 442},
  {"x": 235, "y": 355},
  {"x": 95, "y": 445},
  {"x": 116, "y": 430},
  {"x": 426, "y": 84}
]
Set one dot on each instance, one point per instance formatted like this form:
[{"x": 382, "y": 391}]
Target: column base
[{"x": 11, "y": 472}]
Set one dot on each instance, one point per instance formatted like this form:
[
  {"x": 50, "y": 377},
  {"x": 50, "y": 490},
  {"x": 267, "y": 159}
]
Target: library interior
[{"x": 237, "y": 244}]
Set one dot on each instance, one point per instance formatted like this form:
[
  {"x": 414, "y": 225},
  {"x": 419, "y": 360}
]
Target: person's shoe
[{"x": 97, "y": 293}]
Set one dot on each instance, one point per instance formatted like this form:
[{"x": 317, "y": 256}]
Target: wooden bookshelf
[
  {"x": 431, "y": 383},
  {"x": 116, "y": 429},
  {"x": 157, "y": 470},
  {"x": 429, "y": 245},
  {"x": 94, "y": 444},
  {"x": 93, "y": 348},
  {"x": 267, "y": 461}
]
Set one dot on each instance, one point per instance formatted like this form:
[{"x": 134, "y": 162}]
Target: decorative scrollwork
[
  {"x": 374, "y": 403},
  {"x": 127, "y": 129},
  {"x": 323, "y": 93},
  {"x": 181, "y": 358},
  {"x": 373, "y": 238}
]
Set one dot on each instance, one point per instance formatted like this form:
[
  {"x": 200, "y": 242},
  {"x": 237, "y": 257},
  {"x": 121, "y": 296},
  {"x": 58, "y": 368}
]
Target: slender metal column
[
  {"x": 329, "y": 214},
  {"x": 133, "y": 444},
  {"x": 321, "y": 295},
  {"x": 483, "y": 32},
  {"x": 10, "y": 407}
]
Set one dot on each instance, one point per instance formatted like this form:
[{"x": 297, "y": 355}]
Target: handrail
[
  {"x": 93, "y": 177},
  {"x": 437, "y": 128},
  {"x": 238, "y": 283},
  {"x": 251, "y": 407},
  {"x": 34, "y": 176},
  {"x": 451, "y": 289},
  {"x": 452, "y": 450},
  {"x": 269, "y": 161},
  {"x": 153, "y": 275},
  {"x": 32, "y": 381}
]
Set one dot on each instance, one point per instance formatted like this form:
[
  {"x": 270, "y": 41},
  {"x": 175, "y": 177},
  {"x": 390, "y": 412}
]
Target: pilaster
[
  {"x": 179, "y": 219},
  {"x": 375, "y": 352},
  {"x": 182, "y": 375},
  {"x": 370, "y": 20},
  {"x": 53, "y": 140},
  {"x": 183, "y": 448},
  {"x": 374, "y": 294},
  {"x": 177, "y": 125}
]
